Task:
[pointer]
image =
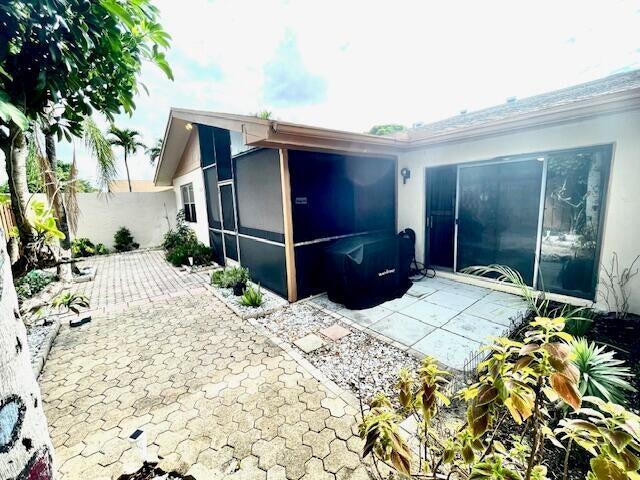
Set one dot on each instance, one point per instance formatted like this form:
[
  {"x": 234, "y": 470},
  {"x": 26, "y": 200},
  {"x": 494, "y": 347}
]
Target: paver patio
[
  {"x": 445, "y": 319},
  {"x": 213, "y": 395}
]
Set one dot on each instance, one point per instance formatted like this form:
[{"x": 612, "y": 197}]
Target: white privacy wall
[
  {"x": 148, "y": 215},
  {"x": 201, "y": 227},
  {"x": 622, "y": 215}
]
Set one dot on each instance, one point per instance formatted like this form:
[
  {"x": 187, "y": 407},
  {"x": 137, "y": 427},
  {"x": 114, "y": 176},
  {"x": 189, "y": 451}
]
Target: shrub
[
  {"x": 251, "y": 297},
  {"x": 180, "y": 254},
  {"x": 180, "y": 235},
  {"x": 33, "y": 282},
  {"x": 82, "y": 247},
  {"x": 601, "y": 375},
  {"x": 123, "y": 240},
  {"x": 101, "y": 249},
  {"x": 229, "y": 277},
  {"x": 70, "y": 302}
]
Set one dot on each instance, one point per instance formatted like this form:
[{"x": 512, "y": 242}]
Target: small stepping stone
[
  {"x": 309, "y": 343},
  {"x": 335, "y": 332}
]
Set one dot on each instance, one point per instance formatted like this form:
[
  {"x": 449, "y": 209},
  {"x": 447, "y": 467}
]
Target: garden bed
[
  {"x": 271, "y": 302},
  {"x": 357, "y": 362}
]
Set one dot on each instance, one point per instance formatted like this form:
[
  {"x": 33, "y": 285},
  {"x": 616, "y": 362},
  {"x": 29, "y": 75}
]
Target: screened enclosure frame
[{"x": 544, "y": 158}]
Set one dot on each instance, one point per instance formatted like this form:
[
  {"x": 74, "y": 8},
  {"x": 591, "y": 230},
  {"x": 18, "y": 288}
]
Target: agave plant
[
  {"x": 601, "y": 375},
  {"x": 252, "y": 297}
]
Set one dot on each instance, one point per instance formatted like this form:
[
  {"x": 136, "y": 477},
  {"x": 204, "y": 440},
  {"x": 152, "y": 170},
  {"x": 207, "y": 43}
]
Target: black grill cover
[{"x": 363, "y": 272}]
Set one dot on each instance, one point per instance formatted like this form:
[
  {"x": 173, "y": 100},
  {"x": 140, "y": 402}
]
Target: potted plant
[{"x": 240, "y": 278}]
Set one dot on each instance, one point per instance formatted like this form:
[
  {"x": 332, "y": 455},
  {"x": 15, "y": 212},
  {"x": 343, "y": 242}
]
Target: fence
[{"x": 7, "y": 220}]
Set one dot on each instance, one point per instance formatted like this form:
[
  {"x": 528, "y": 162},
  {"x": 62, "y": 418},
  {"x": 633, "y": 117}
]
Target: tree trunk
[
  {"x": 15, "y": 151},
  {"x": 126, "y": 166},
  {"x": 63, "y": 270},
  {"x": 25, "y": 446}
]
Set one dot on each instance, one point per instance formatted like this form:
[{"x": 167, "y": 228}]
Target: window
[{"x": 188, "y": 203}]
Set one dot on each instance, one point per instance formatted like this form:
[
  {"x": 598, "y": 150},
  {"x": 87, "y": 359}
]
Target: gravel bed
[
  {"x": 272, "y": 303},
  {"x": 357, "y": 362}
]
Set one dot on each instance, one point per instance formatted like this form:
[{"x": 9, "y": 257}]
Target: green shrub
[
  {"x": 101, "y": 249},
  {"x": 123, "y": 240},
  {"x": 218, "y": 278},
  {"x": 601, "y": 375},
  {"x": 229, "y": 277},
  {"x": 180, "y": 235},
  {"x": 179, "y": 255},
  {"x": 33, "y": 282},
  {"x": 252, "y": 297},
  {"x": 82, "y": 247}
]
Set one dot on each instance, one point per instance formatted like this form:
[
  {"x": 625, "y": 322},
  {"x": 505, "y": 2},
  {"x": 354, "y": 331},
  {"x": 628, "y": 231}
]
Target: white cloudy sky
[{"x": 352, "y": 64}]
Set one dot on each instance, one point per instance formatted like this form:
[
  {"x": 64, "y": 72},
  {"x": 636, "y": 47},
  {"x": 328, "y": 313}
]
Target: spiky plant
[
  {"x": 601, "y": 375},
  {"x": 252, "y": 297}
]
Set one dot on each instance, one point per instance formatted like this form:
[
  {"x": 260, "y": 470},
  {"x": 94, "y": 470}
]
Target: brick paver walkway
[{"x": 213, "y": 395}]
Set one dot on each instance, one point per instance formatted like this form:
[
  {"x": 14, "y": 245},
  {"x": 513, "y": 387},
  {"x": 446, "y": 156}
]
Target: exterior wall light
[
  {"x": 188, "y": 126},
  {"x": 406, "y": 175}
]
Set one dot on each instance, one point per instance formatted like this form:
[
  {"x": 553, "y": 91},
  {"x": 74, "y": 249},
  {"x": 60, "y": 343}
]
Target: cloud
[{"x": 288, "y": 81}]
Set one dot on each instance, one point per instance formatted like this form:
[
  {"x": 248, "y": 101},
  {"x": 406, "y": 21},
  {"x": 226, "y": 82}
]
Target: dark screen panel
[
  {"x": 259, "y": 194},
  {"x": 228, "y": 215},
  {"x": 498, "y": 215},
  {"x": 211, "y": 191},
  {"x": 266, "y": 263},
  {"x": 231, "y": 246},
  {"x": 340, "y": 194},
  {"x": 215, "y": 240},
  {"x": 205, "y": 138},
  {"x": 223, "y": 153}
]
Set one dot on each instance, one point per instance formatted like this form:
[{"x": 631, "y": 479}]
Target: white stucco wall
[
  {"x": 147, "y": 214},
  {"x": 622, "y": 215},
  {"x": 201, "y": 227}
]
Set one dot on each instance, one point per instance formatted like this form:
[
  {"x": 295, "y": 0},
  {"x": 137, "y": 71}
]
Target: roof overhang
[
  {"x": 264, "y": 133},
  {"x": 276, "y": 134}
]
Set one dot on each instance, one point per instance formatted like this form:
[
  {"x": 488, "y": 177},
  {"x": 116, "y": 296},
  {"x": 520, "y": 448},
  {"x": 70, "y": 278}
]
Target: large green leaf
[{"x": 11, "y": 113}]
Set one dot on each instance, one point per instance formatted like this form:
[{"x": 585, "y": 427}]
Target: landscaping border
[{"x": 40, "y": 358}]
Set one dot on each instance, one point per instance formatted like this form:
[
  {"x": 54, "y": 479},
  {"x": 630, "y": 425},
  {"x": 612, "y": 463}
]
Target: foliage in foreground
[
  {"x": 252, "y": 297},
  {"x": 601, "y": 375},
  {"x": 70, "y": 302},
  {"x": 523, "y": 381},
  {"x": 123, "y": 240}
]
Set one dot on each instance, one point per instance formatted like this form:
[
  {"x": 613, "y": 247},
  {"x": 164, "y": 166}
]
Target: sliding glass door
[{"x": 498, "y": 213}]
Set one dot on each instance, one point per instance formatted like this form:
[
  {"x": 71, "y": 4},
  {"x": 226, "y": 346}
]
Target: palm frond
[{"x": 100, "y": 148}]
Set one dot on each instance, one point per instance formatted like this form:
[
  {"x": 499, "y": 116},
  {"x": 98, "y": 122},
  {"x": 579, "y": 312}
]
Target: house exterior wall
[
  {"x": 621, "y": 221},
  {"x": 201, "y": 226},
  {"x": 148, "y": 215}
]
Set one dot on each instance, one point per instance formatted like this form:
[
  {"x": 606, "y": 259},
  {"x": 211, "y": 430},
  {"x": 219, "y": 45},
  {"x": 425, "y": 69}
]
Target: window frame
[{"x": 188, "y": 203}]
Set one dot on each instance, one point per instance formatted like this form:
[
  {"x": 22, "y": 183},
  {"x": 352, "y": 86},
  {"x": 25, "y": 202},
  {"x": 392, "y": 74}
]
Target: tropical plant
[
  {"x": 101, "y": 249},
  {"x": 70, "y": 302},
  {"x": 123, "y": 240},
  {"x": 601, "y": 375},
  {"x": 154, "y": 151},
  {"x": 252, "y": 297},
  {"x": 230, "y": 277},
  {"x": 198, "y": 251},
  {"x": 128, "y": 140},
  {"x": 218, "y": 278},
  {"x": 521, "y": 381},
  {"x": 33, "y": 282},
  {"x": 77, "y": 71},
  {"x": 82, "y": 247},
  {"x": 615, "y": 285},
  {"x": 180, "y": 235}
]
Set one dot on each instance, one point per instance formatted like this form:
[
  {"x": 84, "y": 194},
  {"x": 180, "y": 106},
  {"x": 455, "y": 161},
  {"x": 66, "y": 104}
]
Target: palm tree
[
  {"x": 155, "y": 151},
  {"x": 128, "y": 140}
]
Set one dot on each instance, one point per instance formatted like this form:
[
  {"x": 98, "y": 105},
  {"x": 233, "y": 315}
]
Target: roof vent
[
  {"x": 462, "y": 112},
  {"x": 511, "y": 99}
]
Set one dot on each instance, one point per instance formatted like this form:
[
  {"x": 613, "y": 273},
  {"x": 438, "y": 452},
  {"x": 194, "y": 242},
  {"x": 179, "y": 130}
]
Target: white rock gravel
[
  {"x": 358, "y": 362},
  {"x": 271, "y": 303}
]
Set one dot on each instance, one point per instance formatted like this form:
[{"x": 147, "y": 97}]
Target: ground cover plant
[
  {"x": 83, "y": 247},
  {"x": 33, "y": 282},
  {"x": 234, "y": 277}
]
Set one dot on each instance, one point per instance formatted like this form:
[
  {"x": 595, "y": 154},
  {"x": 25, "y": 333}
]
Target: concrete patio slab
[
  {"x": 495, "y": 313},
  {"x": 434, "y": 315},
  {"x": 335, "y": 332},
  {"x": 475, "y": 328},
  {"x": 398, "y": 304},
  {"x": 402, "y": 328},
  {"x": 448, "y": 348},
  {"x": 419, "y": 290},
  {"x": 367, "y": 316},
  {"x": 451, "y": 299}
]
